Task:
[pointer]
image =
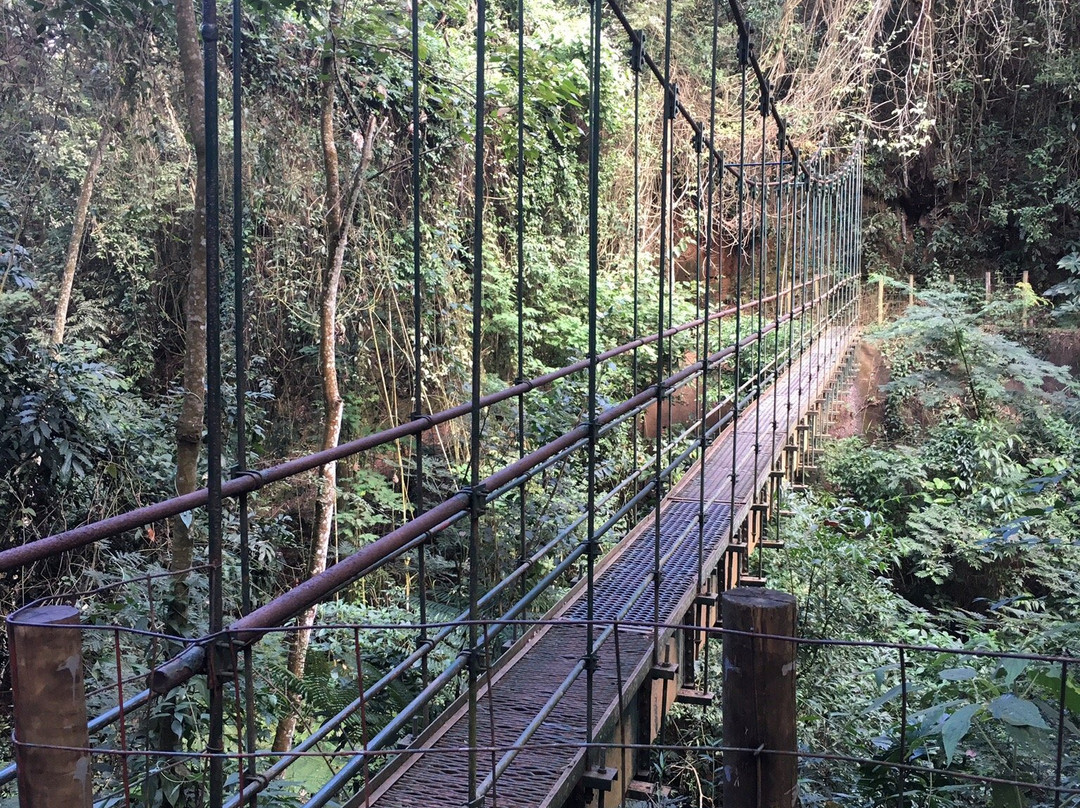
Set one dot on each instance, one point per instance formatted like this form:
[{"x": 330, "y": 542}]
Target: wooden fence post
[
  {"x": 50, "y": 708},
  {"x": 988, "y": 285},
  {"x": 911, "y": 290},
  {"x": 759, "y": 700},
  {"x": 881, "y": 299},
  {"x": 1024, "y": 314}
]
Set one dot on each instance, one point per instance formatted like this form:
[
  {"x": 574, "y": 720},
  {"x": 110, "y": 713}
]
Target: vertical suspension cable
[
  {"x": 830, "y": 269},
  {"x": 847, "y": 230},
  {"x": 699, "y": 191},
  {"x": 216, "y": 735},
  {"x": 665, "y": 144},
  {"x": 773, "y": 482},
  {"x": 858, "y": 216},
  {"x": 713, "y": 175},
  {"x": 476, "y": 494},
  {"x": 853, "y": 258},
  {"x": 815, "y": 269},
  {"x": 240, "y": 360},
  {"x": 519, "y": 226},
  {"x": 593, "y": 546},
  {"x": 418, "y": 350},
  {"x": 804, "y": 264},
  {"x": 669, "y": 270},
  {"x": 744, "y": 58},
  {"x": 792, "y": 425},
  {"x": 835, "y": 287},
  {"x": 778, "y": 290},
  {"x": 637, "y": 53},
  {"x": 760, "y": 276},
  {"x": 700, "y": 348}
]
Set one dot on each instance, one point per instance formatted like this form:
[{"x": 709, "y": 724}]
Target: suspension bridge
[{"x": 556, "y": 705}]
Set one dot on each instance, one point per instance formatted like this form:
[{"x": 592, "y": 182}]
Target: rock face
[
  {"x": 1058, "y": 345},
  {"x": 861, "y": 410}
]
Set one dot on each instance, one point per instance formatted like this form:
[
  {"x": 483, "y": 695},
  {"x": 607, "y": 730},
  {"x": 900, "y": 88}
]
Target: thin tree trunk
[
  {"x": 339, "y": 213},
  {"x": 78, "y": 229},
  {"x": 189, "y": 424}
]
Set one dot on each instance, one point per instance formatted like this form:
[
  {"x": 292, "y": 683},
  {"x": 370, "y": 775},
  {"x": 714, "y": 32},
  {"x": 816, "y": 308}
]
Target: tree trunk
[
  {"x": 339, "y": 214},
  {"x": 189, "y": 424},
  {"x": 78, "y": 229}
]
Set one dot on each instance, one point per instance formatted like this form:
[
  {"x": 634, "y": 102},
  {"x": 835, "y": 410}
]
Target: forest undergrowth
[{"x": 954, "y": 523}]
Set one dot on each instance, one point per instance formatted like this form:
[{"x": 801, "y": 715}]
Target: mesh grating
[
  {"x": 439, "y": 776},
  {"x": 678, "y": 530}
]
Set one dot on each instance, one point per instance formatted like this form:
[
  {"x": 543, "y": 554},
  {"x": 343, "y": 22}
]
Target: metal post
[
  {"x": 759, "y": 699},
  {"x": 50, "y": 708}
]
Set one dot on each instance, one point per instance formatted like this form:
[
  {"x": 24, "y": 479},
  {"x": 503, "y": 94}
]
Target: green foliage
[
  {"x": 877, "y": 478},
  {"x": 949, "y": 350},
  {"x": 1069, "y": 289},
  {"x": 75, "y": 440}
]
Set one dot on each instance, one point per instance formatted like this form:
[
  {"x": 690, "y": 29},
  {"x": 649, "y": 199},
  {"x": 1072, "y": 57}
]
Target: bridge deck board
[{"x": 519, "y": 684}]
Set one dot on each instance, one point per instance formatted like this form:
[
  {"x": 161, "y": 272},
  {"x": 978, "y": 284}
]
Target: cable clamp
[
  {"x": 637, "y": 50},
  {"x": 477, "y": 498},
  {"x": 221, "y": 659},
  {"x": 671, "y": 100},
  {"x": 593, "y": 549},
  {"x": 592, "y": 662},
  {"x": 472, "y": 661},
  {"x": 209, "y": 32},
  {"x": 742, "y": 50},
  {"x": 698, "y": 140},
  {"x": 236, "y": 472},
  {"x": 594, "y": 429},
  {"x": 419, "y": 416}
]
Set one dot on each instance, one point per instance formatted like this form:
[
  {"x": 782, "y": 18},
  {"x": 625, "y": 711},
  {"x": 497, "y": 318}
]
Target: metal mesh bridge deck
[{"x": 516, "y": 688}]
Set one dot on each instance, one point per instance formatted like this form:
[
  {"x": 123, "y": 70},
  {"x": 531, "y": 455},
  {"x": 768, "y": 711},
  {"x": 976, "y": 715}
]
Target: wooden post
[
  {"x": 881, "y": 299},
  {"x": 911, "y": 290},
  {"x": 1023, "y": 315},
  {"x": 988, "y": 284},
  {"x": 50, "y": 708},
  {"x": 952, "y": 279},
  {"x": 759, "y": 700}
]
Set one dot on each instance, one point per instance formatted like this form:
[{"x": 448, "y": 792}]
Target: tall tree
[
  {"x": 340, "y": 207},
  {"x": 189, "y": 424},
  {"x": 78, "y": 230}
]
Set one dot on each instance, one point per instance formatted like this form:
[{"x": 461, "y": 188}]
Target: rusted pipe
[{"x": 249, "y": 481}]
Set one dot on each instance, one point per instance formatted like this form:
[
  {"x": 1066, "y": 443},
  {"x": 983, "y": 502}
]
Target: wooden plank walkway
[{"x": 518, "y": 685}]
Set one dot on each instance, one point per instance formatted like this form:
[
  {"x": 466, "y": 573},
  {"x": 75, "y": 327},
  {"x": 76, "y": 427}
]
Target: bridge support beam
[
  {"x": 50, "y": 708},
  {"x": 759, "y": 700}
]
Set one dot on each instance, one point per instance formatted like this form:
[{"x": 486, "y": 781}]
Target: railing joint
[
  {"x": 637, "y": 50},
  {"x": 420, "y": 416},
  {"x": 237, "y": 472},
  {"x": 671, "y": 101},
  {"x": 592, "y": 662},
  {"x": 477, "y": 495}
]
